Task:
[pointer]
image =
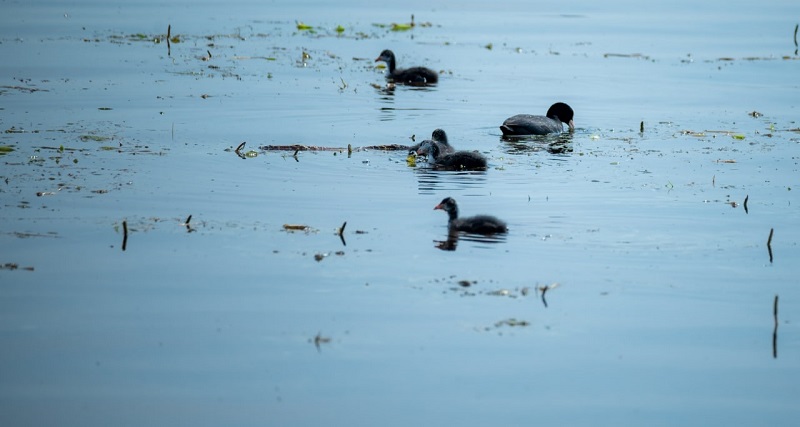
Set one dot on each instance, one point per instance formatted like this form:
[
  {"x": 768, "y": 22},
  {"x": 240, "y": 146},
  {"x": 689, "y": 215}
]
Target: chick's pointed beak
[{"x": 439, "y": 206}]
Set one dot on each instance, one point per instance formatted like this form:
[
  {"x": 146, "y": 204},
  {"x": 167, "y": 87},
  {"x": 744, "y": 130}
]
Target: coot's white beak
[{"x": 571, "y": 126}]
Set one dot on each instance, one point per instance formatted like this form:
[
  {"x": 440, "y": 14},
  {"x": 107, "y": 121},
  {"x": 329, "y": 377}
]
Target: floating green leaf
[
  {"x": 5, "y": 149},
  {"x": 738, "y": 136},
  {"x": 339, "y": 29},
  {"x": 401, "y": 27},
  {"x": 303, "y": 27}
]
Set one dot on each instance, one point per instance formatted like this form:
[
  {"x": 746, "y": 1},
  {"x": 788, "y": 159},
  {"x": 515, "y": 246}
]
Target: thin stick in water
[
  {"x": 188, "y": 227},
  {"x": 169, "y": 48},
  {"x": 544, "y": 290},
  {"x": 124, "y": 235},
  {"x": 341, "y": 233},
  {"x": 775, "y": 310},
  {"x": 745, "y": 203},
  {"x": 769, "y": 244},
  {"x": 775, "y": 330}
]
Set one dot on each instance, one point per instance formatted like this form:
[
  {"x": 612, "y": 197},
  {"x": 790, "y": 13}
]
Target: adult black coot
[
  {"x": 419, "y": 76},
  {"x": 439, "y": 138},
  {"x": 526, "y": 124},
  {"x": 479, "y": 224}
]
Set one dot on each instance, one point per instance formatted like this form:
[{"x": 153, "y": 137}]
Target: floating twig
[
  {"x": 775, "y": 330},
  {"x": 745, "y": 203},
  {"x": 775, "y": 311},
  {"x": 319, "y": 339},
  {"x": 641, "y": 127},
  {"x": 14, "y": 266},
  {"x": 238, "y": 150},
  {"x": 124, "y": 235},
  {"x": 341, "y": 233},
  {"x": 544, "y": 290},
  {"x": 186, "y": 223},
  {"x": 299, "y": 147},
  {"x": 296, "y": 227},
  {"x": 795, "y": 35},
  {"x": 769, "y": 244},
  {"x": 169, "y": 47}
]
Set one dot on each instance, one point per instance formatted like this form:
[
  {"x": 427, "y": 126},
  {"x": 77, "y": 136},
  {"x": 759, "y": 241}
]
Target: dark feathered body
[
  {"x": 527, "y": 124},
  {"x": 479, "y": 224},
  {"x": 457, "y": 160},
  {"x": 460, "y": 160},
  {"x": 418, "y": 76}
]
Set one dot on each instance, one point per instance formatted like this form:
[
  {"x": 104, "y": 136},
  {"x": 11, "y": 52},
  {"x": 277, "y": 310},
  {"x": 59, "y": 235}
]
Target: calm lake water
[{"x": 636, "y": 285}]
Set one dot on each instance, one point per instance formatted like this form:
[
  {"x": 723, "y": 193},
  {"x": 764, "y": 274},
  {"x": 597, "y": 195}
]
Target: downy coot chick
[
  {"x": 458, "y": 160},
  {"x": 418, "y": 76},
  {"x": 479, "y": 224},
  {"x": 438, "y": 138},
  {"x": 526, "y": 124}
]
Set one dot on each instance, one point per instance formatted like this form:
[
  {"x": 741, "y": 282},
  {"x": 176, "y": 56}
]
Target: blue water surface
[{"x": 636, "y": 285}]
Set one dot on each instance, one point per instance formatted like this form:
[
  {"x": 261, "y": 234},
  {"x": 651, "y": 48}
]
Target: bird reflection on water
[
  {"x": 553, "y": 144},
  {"x": 453, "y": 237}
]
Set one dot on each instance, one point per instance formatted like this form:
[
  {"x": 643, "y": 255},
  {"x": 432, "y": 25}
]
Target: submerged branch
[{"x": 349, "y": 148}]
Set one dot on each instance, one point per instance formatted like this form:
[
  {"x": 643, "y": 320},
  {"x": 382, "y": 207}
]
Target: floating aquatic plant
[{"x": 95, "y": 138}]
